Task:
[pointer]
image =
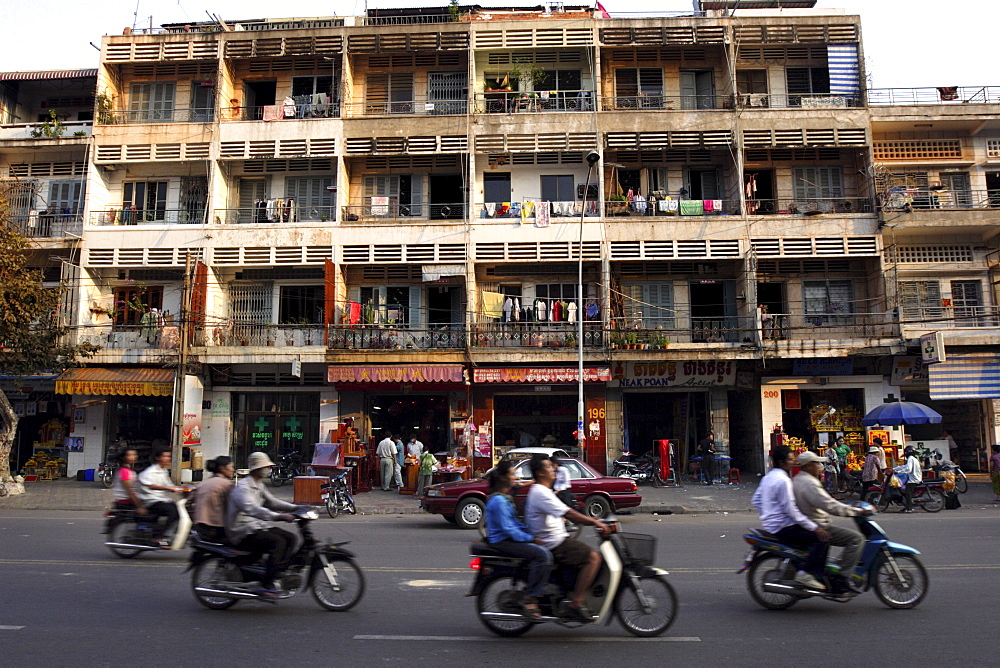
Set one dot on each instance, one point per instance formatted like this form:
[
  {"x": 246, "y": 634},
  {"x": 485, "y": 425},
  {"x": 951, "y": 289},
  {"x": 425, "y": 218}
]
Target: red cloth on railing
[{"x": 354, "y": 313}]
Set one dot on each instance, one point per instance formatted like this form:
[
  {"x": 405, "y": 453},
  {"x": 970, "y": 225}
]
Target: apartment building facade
[{"x": 382, "y": 219}]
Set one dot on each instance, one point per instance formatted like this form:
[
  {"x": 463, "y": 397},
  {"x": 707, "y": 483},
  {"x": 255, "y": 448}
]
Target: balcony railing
[
  {"x": 393, "y": 212},
  {"x": 902, "y": 199},
  {"x": 797, "y": 101},
  {"x": 931, "y": 95},
  {"x": 810, "y": 206},
  {"x": 405, "y": 20},
  {"x": 132, "y": 216},
  {"x": 70, "y": 130},
  {"x": 508, "y": 102},
  {"x": 951, "y": 317},
  {"x": 664, "y": 101},
  {"x": 256, "y": 334},
  {"x": 131, "y": 337},
  {"x": 128, "y": 116},
  {"x": 303, "y": 109},
  {"x": 389, "y": 337},
  {"x": 423, "y": 107},
  {"x": 49, "y": 225},
  {"x": 506, "y": 211},
  {"x": 263, "y": 216},
  {"x": 536, "y": 335}
]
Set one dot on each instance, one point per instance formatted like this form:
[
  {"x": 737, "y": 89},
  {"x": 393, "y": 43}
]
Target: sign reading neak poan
[{"x": 696, "y": 373}]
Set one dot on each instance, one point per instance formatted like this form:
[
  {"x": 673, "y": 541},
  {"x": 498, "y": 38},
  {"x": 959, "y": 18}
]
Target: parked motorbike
[
  {"x": 105, "y": 473},
  {"x": 928, "y": 495},
  {"x": 643, "y": 468},
  {"x": 223, "y": 575},
  {"x": 130, "y": 533},
  {"x": 337, "y": 497},
  {"x": 287, "y": 466},
  {"x": 891, "y": 569},
  {"x": 627, "y": 586}
]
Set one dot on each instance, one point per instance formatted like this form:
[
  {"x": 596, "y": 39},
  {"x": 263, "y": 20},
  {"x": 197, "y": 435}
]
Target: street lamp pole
[{"x": 581, "y": 312}]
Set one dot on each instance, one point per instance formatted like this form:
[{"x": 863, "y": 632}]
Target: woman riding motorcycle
[{"x": 210, "y": 499}]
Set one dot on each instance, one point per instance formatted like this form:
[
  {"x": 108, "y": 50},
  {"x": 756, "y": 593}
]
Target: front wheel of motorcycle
[
  {"x": 618, "y": 472},
  {"x": 896, "y": 592},
  {"x": 332, "y": 505},
  {"x": 933, "y": 501},
  {"x": 123, "y": 532},
  {"x": 768, "y": 568},
  {"x": 340, "y": 590},
  {"x": 661, "y": 602},
  {"x": 498, "y": 607},
  {"x": 207, "y": 575},
  {"x": 107, "y": 478},
  {"x": 277, "y": 479},
  {"x": 349, "y": 504}
]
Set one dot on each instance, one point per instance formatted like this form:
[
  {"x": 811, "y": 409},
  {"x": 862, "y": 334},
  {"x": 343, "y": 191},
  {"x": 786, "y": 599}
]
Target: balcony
[
  {"x": 389, "y": 211},
  {"x": 910, "y": 199},
  {"x": 263, "y": 216},
  {"x": 49, "y": 225},
  {"x": 797, "y": 101},
  {"x": 509, "y": 102},
  {"x": 536, "y": 335},
  {"x": 421, "y": 107},
  {"x": 928, "y": 319},
  {"x": 130, "y": 337},
  {"x": 810, "y": 206},
  {"x": 233, "y": 333},
  {"x": 76, "y": 130},
  {"x": 515, "y": 211},
  {"x": 389, "y": 337},
  {"x": 133, "y": 216},
  {"x": 303, "y": 109},
  {"x": 171, "y": 115},
  {"x": 663, "y": 101},
  {"x": 528, "y": 210},
  {"x": 931, "y": 95}
]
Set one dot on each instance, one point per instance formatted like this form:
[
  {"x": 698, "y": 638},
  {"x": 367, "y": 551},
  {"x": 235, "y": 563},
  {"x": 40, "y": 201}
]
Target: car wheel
[
  {"x": 596, "y": 506},
  {"x": 469, "y": 514}
]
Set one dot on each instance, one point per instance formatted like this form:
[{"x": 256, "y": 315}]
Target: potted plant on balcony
[
  {"x": 616, "y": 205},
  {"x": 631, "y": 341}
]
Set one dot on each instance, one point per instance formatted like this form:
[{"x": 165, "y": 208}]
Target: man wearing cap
[
  {"x": 249, "y": 513},
  {"x": 817, "y": 504},
  {"x": 779, "y": 515},
  {"x": 871, "y": 470}
]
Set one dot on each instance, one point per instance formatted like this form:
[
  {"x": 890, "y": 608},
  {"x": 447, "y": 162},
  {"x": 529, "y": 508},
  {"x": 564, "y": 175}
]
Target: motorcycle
[
  {"x": 106, "y": 473},
  {"x": 337, "y": 497},
  {"x": 643, "y": 468},
  {"x": 222, "y": 575},
  {"x": 287, "y": 466},
  {"x": 891, "y": 569},
  {"x": 130, "y": 533},
  {"x": 627, "y": 586}
]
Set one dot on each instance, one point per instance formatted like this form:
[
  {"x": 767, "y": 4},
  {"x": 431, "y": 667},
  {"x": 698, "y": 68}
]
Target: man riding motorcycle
[
  {"x": 543, "y": 513},
  {"x": 251, "y": 509},
  {"x": 814, "y": 502}
]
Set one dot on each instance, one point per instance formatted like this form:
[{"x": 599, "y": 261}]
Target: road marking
[
  {"x": 536, "y": 639},
  {"x": 10, "y": 628},
  {"x": 435, "y": 583}
]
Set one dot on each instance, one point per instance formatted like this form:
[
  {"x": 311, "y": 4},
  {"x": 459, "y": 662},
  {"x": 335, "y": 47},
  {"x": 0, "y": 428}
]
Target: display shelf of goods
[{"x": 850, "y": 418}]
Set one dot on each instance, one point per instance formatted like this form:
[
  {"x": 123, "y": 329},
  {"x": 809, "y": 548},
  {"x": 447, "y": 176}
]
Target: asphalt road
[{"x": 64, "y": 598}]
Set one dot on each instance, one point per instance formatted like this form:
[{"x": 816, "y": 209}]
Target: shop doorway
[
  {"x": 144, "y": 422},
  {"x": 817, "y": 417},
  {"x": 550, "y": 418},
  {"x": 680, "y": 416},
  {"x": 745, "y": 446},
  {"x": 275, "y": 423},
  {"x": 447, "y": 196},
  {"x": 424, "y": 415}
]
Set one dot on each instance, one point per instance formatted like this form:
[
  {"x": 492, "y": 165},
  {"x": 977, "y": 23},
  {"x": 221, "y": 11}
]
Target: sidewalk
[{"x": 66, "y": 494}]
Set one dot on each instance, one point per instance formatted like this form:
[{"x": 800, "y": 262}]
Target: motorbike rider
[
  {"x": 123, "y": 490},
  {"x": 155, "y": 483},
  {"x": 779, "y": 515},
  {"x": 505, "y": 533},
  {"x": 816, "y": 504},
  {"x": 210, "y": 499},
  {"x": 544, "y": 514},
  {"x": 249, "y": 513},
  {"x": 914, "y": 476}
]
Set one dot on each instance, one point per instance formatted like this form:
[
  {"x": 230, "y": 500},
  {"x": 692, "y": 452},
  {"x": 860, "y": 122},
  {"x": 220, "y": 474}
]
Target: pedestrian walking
[
  {"x": 706, "y": 448},
  {"x": 428, "y": 462},
  {"x": 386, "y": 453},
  {"x": 995, "y": 472}
]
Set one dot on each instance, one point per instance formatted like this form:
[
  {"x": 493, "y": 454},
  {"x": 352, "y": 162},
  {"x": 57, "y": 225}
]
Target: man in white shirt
[
  {"x": 154, "y": 483},
  {"x": 386, "y": 453},
  {"x": 414, "y": 447},
  {"x": 397, "y": 464},
  {"x": 914, "y": 476},
  {"x": 543, "y": 513},
  {"x": 780, "y": 516}
]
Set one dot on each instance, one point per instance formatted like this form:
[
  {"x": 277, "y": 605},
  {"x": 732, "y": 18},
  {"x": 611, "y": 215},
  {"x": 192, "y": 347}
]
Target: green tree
[{"x": 33, "y": 338}]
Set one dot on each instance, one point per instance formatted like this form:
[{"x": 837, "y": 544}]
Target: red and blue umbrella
[{"x": 901, "y": 412}]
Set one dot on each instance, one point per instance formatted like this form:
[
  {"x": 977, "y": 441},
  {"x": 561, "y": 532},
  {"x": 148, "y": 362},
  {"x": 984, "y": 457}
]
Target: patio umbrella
[{"x": 901, "y": 412}]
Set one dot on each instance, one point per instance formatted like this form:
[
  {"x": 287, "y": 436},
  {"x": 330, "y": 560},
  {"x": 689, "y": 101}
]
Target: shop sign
[
  {"x": 541, "y": 375},
  {"x": 410, "y": 373},
  {"x": 193, "y": 395},
  {"x": 823, "y": 366},
  {"x": 695, "y": 373},
  {"x": 908, "y": 370},
  {"x": 932, "y": 348},
  {"x": 260, "y": 433},
  {"x": 125, "y": 388}
]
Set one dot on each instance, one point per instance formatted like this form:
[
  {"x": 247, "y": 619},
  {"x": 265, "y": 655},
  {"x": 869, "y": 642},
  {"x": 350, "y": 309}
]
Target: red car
[{"x": 462, "y": 502}]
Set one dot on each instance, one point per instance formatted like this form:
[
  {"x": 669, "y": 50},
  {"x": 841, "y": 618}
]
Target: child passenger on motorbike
[
  {"x": 210, "y": 499},
  {"x": 508, "y": 535}
]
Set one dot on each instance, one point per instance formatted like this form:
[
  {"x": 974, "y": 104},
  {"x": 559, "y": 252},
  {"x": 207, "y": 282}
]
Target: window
[
  {"x": 576, "y": 472},
  {"x": 828, "y": 302},
  {"x": 697, "y": 89},
  {"x": 152, "y": 102},
  {"x": 920, "y": 300},
  {"x": 814, "y": 80},
  {"x": 639, "y": 88},
  {"x": 405, "y": 193},
  {"x": 447, "y": 91},
  {"x": 751, "y": 86},
  {"x": 389, "y": 93},
  {"x": 993, "y": 148},
  {"x": 387, "y": 304},
  {"x": 132, "y": 302},
  {"x": 250, "y": 309},
  {"x": 550, "y": 293},
  {"x": 66, "y": 197},
  {"x": 318, "y": 85},
  {"x": 144, "y": 201},
  {"x": 561, "y": 80},
  {"x": 496, "y": 187},
  {"x": 301, "y": 304},
  {"x": 558, "y": 189},
  {"x": 649, "y": 305},
  {"x": 810, "y": 183},
  {"x": 313, "y": 198},
  {"x": 967, "y": 302}
]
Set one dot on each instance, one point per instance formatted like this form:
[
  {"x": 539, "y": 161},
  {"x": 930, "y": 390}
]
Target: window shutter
[{"x": 415, "y": 315}]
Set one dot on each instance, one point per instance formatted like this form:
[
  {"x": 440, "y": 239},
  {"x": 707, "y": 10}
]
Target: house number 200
[{"x": 770, "y": 394}]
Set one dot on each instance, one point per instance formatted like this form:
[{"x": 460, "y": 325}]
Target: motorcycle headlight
[{"x": 434, "y": 492}]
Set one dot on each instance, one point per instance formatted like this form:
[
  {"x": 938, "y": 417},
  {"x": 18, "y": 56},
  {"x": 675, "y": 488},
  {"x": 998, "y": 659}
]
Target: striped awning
[
  {"x": 123, "y": 382},
  {"x": 971, "y": 376},
  {"x": 844, "y": 71},
  {"x": 48, "y": 74}
]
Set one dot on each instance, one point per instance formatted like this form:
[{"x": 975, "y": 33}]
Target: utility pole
[{"x": 179, "y": 381}]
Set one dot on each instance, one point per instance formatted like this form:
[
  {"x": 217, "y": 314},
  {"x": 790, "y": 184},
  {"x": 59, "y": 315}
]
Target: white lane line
[
  {"x": 10, "y": 628},
  {"x": 494, "y": 638},
  {"x": 435, "y": 583}
]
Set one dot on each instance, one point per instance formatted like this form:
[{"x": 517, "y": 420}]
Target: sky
[{"x": 907, "y": 43}]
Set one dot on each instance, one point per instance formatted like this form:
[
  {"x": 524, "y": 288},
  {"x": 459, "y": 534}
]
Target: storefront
[
  {"x": 43, "y": 419},
  {"x": 429, "y": 401},
  {"x": 543, "y": 401},
  {"x": 274, "y": 422}
]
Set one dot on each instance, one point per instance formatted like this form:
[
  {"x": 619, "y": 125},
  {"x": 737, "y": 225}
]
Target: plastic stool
[{"x": 734, "y": 476}]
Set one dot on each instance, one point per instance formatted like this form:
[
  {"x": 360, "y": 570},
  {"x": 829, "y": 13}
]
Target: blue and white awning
[
  {"x": 970, "y": 376},
  {"x": 844, "y": 70}
]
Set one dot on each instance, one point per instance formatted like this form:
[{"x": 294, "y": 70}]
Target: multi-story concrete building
[{"x": 381, "y": 217}]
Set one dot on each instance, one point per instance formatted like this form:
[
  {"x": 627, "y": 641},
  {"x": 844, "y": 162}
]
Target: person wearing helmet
[
  {"x": 250, "y": 512},
  {"x": 914, "y": 476}
]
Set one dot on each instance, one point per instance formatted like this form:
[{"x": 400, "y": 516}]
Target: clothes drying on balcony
[
  {"x": 692, "y": 207},
  {"x": 274, "y": 211}
]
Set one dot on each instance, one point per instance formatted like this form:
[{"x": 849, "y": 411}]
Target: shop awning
[
  {"x": 974, "y": 376},
  {"x": 434, "y": 272},
  {"x": 126, "y": 382},
  {"x": 47, "y": 74},
  {"x": 541, "y": 375},
  {"x": 402, "y": 373}
]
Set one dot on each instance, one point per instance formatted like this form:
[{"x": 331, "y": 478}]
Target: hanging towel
[
  {"x": 692, "y": 207},
  {"x": 492, "y": 304},
  {"x": 491, "y": 209},
  {"x": 527, "y": 210},
  {"x": 289, "y": 107},
  {"x": 274, "y": 112},
  {"x": 542, "y": 214},
  {"x": 508, "y": 304},
  {"x": 672, "y": 206},
  {"x": 516, "y": 310},
  {"x": 661, "y": 205},
  {"x": 717, "y": 205},
  {"x": 708, "y": 205},
  {"x": 354, "y": 313},
  {"x": 571, "y": 312}
]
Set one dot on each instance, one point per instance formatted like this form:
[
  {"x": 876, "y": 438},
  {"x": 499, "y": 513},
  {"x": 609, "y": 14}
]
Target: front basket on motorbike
[{"x": 640, "y": 549}]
